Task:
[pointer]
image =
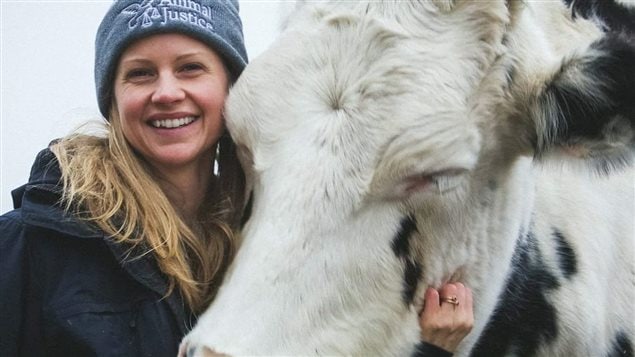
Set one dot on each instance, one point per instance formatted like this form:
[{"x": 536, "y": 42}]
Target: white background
[{"x": 46, "y": 73}]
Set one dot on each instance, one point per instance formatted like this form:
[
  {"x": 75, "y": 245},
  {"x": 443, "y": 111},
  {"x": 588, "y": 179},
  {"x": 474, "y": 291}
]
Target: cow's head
[{"x": 369, "y": 123}]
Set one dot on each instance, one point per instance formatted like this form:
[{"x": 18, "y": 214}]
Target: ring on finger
[{"x": 450, "y": 300}]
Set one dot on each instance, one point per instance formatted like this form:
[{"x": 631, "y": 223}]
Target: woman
[{"x": 119, "y": 241}]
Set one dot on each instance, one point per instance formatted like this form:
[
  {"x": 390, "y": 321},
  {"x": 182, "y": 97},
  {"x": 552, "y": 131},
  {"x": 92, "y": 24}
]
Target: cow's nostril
[{"x": 191, "y": 351}]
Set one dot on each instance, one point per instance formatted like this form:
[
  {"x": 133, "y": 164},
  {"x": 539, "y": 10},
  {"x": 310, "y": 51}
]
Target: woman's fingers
[
  {"x": 431, "y": 302},
  {"x": 447, "y": 316}
]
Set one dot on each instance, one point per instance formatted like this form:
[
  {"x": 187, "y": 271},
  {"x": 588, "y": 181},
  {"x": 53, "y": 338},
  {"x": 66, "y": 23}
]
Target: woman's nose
[{"x": 168, "y": 90}]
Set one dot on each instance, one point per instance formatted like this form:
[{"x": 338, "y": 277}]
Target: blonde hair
[{"x": 108, "y": 184}]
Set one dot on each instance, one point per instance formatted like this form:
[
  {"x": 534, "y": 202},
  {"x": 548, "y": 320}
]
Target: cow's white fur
[{"x": 364, "y": 112}]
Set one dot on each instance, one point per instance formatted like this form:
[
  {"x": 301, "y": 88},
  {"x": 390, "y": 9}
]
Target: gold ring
[{"x": 451, "y": 300}]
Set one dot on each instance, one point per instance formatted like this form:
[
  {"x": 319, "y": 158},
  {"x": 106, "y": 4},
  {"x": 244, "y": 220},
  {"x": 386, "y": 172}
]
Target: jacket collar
[{"x": 40, "y": 200}]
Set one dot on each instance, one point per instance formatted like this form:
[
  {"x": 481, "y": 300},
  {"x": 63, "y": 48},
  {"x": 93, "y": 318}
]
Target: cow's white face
[
  {"x": 367, "y": 124},
  {"x": 352, "y": 110}
]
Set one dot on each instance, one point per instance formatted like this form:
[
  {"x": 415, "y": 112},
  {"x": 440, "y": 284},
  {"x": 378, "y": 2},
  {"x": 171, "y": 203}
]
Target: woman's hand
[{"x": 447, "y": 316}]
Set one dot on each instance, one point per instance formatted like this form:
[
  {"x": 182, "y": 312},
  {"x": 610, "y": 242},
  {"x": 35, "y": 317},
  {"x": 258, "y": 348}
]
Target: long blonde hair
[{"x": 108, "y": 184}]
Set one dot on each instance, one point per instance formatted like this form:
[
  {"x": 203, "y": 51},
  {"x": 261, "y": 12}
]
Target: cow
[{"x": 390, "y": 146}]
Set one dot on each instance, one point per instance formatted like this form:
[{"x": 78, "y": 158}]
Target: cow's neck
[{"x": 478, "y": 250}]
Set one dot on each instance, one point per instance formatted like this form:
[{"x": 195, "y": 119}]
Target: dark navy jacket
[{"x": 66, "y": 290}]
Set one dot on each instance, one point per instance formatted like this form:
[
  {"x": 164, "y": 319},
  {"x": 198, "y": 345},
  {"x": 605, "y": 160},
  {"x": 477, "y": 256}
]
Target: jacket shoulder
[
  {"x": 10, "y": 225},
  {"x": 39, "y": 202}
]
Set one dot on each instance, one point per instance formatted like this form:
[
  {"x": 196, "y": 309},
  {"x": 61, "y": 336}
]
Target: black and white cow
[{"x": 395, "y": 145}]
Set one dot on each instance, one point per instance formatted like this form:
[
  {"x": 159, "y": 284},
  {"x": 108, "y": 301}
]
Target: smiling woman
[
  {"x": 47, "y": 73},
  {"x": 126, "y": 237}
]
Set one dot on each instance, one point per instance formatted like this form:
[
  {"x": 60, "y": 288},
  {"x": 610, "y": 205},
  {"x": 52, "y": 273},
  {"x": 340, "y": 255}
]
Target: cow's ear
[{"x": 586, "y": 108}]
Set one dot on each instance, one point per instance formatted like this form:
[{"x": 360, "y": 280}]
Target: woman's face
[{"x": 170, "y": 90}]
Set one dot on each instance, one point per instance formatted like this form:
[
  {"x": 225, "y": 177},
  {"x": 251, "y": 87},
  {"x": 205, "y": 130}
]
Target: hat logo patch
[{"x": 161, "y": 12}]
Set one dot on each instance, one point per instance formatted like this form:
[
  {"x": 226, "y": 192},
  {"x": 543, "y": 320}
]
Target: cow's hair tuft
[
  {"x": 610, "y": 14},
  {"x": 587, "y": 109}
]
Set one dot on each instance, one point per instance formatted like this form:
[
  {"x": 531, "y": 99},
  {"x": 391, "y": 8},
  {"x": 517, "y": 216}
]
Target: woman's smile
[{"x": 173, "y": 123}]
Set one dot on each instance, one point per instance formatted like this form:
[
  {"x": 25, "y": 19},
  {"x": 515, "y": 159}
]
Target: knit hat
[{"x": 214, "y": 22}]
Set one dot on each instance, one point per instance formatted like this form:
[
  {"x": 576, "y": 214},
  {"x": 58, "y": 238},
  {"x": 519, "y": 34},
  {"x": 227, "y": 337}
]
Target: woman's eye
[
  {"x": 138, "y": 73},
  {"x": 191, "y": 67}
]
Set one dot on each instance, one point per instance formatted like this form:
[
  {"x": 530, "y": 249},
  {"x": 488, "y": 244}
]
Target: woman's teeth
[{"x": 172, "y": 123}]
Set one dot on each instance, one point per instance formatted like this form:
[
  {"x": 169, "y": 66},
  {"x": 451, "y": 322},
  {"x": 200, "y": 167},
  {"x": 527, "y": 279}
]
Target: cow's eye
[{"x": 447, "y": 180}]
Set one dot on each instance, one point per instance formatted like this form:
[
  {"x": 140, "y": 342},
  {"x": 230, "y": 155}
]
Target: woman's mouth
[{"x": 172, "y": 123}]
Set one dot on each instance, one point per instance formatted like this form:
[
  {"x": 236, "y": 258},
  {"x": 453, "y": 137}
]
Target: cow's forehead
[{"x": 346, "y": 72}]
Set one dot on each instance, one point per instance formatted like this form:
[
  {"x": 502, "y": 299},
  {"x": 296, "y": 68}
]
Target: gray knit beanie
[{"x": 214, "y": 22}]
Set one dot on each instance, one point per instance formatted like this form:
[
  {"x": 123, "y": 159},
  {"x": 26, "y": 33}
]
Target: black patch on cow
[
  {"x": 401, "y": 242},
  {"x": 412, "y": 273},
  {"x": 566, "y": 255},
  {"x": 622, "y": 346},
  {"x": 524, "y": 319},
  {"x": 247, "y": 212},
  {"x": 583, "y": 113},
  {"x": 612, "y": 15},
  {"x": 401, "y": 247}
]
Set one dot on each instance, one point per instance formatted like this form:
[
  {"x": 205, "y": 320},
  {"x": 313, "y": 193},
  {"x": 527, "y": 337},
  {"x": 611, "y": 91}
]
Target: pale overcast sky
[{"x": 46, "y": 73}]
